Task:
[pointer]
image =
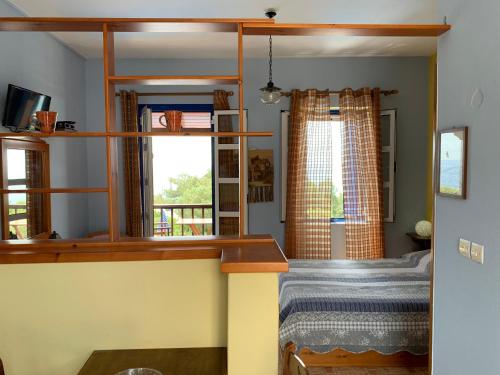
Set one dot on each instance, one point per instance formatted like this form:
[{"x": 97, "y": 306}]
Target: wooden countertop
[{"x": 251, "y": 254}]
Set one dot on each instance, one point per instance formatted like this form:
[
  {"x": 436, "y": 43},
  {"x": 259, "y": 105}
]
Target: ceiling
[{"x": 223, "y": 45}]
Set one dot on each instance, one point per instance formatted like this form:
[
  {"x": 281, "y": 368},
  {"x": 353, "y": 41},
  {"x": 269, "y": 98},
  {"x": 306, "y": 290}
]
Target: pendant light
[{"x": 270, "y": 94}]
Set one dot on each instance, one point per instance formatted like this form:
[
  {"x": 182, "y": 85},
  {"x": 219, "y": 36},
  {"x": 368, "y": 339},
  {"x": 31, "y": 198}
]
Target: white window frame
[
  {"x": 243, "y": 175},
  {"x": 147, "y": 148},
  {"x": 391, "y": 149}
]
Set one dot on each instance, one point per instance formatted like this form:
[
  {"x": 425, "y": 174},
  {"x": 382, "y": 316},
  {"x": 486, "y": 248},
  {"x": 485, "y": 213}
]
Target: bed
[{"x": 357, "y": 309}]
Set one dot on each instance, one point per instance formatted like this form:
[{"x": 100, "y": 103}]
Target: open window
[
  {"x": 25, "y": 165},
  {"x": 177, "y": 173},
  {"x": 388, "y": 154}
]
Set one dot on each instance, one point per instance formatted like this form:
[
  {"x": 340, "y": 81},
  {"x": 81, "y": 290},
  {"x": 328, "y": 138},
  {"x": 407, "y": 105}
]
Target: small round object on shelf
[{"x": 424, "y": 228}]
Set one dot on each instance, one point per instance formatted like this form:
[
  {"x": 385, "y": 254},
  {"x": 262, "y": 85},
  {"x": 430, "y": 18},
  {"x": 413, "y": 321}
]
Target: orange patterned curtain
[
  {"x": 309, "y": 185},
  {"x": 362, "y": 173},
  {"x": 131, "y": 162},
  {"x": 221, "y": 102},
  {"x": 34, "y": 202}
]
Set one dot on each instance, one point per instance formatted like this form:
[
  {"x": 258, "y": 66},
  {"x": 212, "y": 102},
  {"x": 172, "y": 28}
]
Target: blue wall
[
  {"x": 409, "y": 75},
  {"x": 467, "y": 295},
  {"x": 41, "y": 63}
]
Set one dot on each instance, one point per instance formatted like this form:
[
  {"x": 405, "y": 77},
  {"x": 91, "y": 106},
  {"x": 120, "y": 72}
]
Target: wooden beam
[
  {"x": 174, "y": 80},
  {"x": 301, "y": 29},
  {"x": 111, "y": 142},
  {"x": 130, "y": 243},
  {"x": 242, "y": 143},
  {"x": 124, "y": 24}
]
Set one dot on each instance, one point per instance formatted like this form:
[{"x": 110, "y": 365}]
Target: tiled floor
[{"x": 368, "y": 371}]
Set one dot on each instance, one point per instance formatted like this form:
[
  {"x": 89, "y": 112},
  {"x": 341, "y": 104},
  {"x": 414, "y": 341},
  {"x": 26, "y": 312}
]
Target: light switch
[
  {"x": 464, "y": 248},
  {"x": 477, "y": 253}
]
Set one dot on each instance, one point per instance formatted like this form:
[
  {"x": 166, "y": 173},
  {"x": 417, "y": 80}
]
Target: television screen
[{"x": 21, "y": 105}]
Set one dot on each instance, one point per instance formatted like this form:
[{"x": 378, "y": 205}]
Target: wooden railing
[
  {"x": 182, "y": 220},
  {"x": 17, "y": 212}
]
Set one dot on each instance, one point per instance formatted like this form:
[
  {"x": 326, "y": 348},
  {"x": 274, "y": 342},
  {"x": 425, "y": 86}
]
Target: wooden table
[{"x": 185, "y": 361}]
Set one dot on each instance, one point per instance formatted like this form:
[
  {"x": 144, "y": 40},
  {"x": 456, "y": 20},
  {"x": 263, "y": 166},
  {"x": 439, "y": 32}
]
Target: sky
[{"x": 177, "y": 155}]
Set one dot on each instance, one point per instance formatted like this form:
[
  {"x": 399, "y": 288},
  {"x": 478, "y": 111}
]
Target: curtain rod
[
  {"x": 336, "y": 92},
  {"x": 207, "y": 93}
]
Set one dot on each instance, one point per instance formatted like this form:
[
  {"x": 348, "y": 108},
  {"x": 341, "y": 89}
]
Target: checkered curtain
[
  {"x": 34, "y": 202},
  {"x": 362, "y": 173},
  {"x": 131, "y": 163},
  {"x": 309, "y": 185}
]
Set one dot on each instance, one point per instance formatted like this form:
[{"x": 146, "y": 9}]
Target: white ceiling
[{"x": 215, "y": 45}]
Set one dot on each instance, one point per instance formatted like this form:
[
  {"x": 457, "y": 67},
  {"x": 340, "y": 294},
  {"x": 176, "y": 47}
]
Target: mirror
[{"x": 38, "y": 164}]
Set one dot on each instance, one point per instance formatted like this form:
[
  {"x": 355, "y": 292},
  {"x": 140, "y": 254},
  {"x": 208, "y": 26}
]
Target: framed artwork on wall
[
  {"x": 451, "y": 179},
  {"x": 260, "y": 176}
]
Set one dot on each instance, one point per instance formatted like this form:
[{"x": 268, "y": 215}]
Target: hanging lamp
[{"x": 270, "y": 94}]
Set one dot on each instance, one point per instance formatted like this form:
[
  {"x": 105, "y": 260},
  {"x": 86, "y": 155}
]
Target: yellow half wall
[{"x": 52, "y": 316}]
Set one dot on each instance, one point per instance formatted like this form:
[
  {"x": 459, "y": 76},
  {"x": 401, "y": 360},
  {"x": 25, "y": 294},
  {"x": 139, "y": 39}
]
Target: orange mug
[
  {"x": 47, "y": 121},
  {"x": 173, "y": 120}
]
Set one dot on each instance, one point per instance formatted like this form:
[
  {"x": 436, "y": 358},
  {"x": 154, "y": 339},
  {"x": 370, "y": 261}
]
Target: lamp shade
[{"x": 270, "y": 94}]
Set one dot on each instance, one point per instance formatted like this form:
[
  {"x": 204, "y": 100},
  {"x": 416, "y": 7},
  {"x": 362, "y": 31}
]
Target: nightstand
[{"x": 424, "y": 243}]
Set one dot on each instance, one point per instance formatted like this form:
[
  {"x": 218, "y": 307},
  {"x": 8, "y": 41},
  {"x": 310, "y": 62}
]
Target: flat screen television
[{"x": 21, "y": 105}]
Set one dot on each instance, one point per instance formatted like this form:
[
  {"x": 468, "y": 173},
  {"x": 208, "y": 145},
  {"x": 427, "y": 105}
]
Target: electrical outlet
[
  {"x": 464, "y": 248},
  {"x": 477, "y": 253}
]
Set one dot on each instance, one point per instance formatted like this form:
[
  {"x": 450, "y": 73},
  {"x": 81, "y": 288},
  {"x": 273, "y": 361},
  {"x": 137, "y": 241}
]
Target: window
[
  {"x": 177, "y": 174},
  {"x": 388, "y": 143},
  {"x": 26, "y": 166}
]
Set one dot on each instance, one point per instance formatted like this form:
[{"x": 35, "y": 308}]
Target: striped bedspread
[{"x": 357, "y": 306}]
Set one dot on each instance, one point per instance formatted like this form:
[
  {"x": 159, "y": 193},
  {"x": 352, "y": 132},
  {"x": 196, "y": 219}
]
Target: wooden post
[
  {"x": 241, "y": 129},
  {"x": 111, "y": 142}
]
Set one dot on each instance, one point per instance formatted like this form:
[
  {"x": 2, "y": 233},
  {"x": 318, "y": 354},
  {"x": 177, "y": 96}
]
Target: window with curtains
[{"x": 388, "y": 138}]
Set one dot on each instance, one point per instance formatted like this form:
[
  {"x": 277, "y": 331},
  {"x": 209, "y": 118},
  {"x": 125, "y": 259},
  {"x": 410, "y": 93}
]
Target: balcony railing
[{"x": 182, "y": 220}]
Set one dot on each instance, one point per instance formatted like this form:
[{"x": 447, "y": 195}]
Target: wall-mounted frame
[{"x": 451, "y": 169}]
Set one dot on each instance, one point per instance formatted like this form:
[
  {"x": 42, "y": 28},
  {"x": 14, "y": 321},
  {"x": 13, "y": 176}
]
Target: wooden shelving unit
[{"x": 109, "y": 26}]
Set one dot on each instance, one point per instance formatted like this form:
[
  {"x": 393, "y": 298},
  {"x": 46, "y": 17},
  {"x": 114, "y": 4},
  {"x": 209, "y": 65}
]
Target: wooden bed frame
[{"x": 342, "y": 358}]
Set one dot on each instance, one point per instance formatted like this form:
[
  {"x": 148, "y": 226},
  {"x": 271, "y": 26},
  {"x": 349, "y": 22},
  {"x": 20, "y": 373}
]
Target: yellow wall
[
  {"x": 52, "y": 316},
  {"x": 253, "y": 324},
  {"x": 430, "y": 129}
]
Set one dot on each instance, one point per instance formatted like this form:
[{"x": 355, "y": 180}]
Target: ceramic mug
[
  {"x": 173, "y": 120},
  {"x": 47, "y": 121}
]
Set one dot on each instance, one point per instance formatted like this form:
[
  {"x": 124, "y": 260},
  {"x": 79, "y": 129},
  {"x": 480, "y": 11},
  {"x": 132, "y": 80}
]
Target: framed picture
[
  {"x": 260, "y": 176},
  {"x": 452, "y": 163}
]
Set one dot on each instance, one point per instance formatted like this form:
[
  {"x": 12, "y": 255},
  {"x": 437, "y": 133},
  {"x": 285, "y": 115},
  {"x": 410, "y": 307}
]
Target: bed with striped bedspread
[{"x": 357, "y": 306}]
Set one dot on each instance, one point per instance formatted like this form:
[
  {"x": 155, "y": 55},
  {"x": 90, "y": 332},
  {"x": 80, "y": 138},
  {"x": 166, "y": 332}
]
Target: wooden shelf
[
  {"x": 125, "y": 24},
  {"x": 174, "y": 80},
  {"x": 53, "y": 190},
  {"x": 190, "y": 134},
  {"x": 52, "y": 135},
  {"x": 345, "y": 29},
  {"x": 136, "y": 134}
]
